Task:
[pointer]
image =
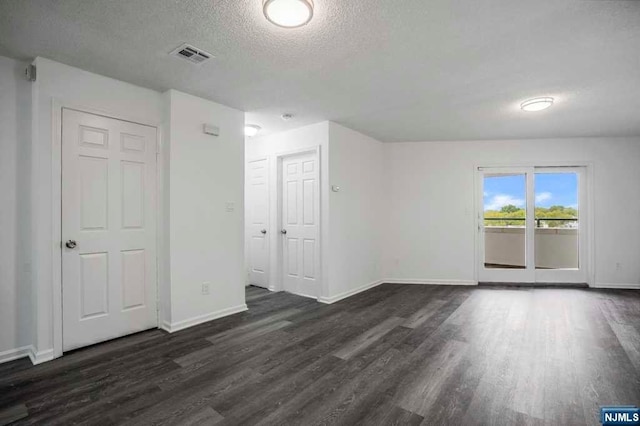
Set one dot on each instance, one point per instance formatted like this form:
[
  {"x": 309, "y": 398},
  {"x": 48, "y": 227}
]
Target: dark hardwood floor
[{"x": 396, "y": 354}]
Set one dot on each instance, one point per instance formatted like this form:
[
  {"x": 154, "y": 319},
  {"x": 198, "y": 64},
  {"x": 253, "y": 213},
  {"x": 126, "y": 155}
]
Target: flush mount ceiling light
[
  {"x": 250, "y": 130},
  {"x": 288, "y": 13},
  {"x": 536, "y": 104}
]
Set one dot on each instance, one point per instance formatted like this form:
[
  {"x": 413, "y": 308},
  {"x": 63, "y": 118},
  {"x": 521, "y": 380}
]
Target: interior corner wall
[
  {"x": 206, "y": 185},
  {"x": 357, "y": 211},
  {"x": 15, "y": 244},
  {"x": 164, "y": 219},
  {"x": 431, "y": 227}
]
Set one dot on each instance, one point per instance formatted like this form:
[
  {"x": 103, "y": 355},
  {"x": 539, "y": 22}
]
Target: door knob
[
  {"x": 71, "y": 244},
  {"x": 264, "y": 231},
  {"x": 283, "y": 231}
]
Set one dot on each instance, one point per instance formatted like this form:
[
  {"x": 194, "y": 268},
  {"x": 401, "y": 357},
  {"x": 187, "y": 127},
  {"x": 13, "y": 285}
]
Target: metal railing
[{"x": 538, "y": 219}]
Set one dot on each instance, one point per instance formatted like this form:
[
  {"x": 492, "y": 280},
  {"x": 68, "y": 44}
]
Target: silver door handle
[
  {"x": 71, "y": 244},
  {"x": 283, "y": 231},
  {"x": 264, "y": 231}
]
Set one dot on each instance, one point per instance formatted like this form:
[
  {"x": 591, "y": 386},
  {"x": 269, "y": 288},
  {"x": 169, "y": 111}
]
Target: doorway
[
  {"x": 108, "y": 228},
  {"x": 257, "y": 205},
  {"x": 533, "y": 225}
]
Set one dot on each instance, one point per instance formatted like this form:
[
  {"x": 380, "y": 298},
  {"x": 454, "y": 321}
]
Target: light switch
[{"x": 231, "y": 206}]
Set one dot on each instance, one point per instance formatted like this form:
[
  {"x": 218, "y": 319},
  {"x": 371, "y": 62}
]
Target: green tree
[
  {"x": 510, "y": 208},
  {"x": 511, "y": 215}
]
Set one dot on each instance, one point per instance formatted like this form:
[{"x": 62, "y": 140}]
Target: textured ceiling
[{"x": 395, "y": 70}]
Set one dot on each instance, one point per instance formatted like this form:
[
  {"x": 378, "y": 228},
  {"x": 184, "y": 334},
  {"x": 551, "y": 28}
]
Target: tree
[
  {"x": 510, "y": 208},
  {"x": 511, "y": 215}
]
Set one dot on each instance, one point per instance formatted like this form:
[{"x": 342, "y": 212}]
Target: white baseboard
[
  {"x": 337, "y": 297},
  {"x": 429, "y": 282},
  {"x": 38, "y": 357},
  {"x": 622, "y": 286},
  {"x": 27, "y": 351},
  {"x": 181, "y": 325},
  {"x": 12, "y": 354}
]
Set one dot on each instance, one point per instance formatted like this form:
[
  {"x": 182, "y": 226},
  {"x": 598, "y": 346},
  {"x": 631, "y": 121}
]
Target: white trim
[
  {"x": 40, "y": 357},
  {"x": 303, "y": 295},
  {"x": 26, "y": 352},
  {"x": 57, "y": 105},
  {"x": 622, "y": 286},
  {"x": 190, "y": 322},
  {"x": 338, "y": 297},
  {"x": 16, "y": 353},
  {"x": 430, "y": 281}
]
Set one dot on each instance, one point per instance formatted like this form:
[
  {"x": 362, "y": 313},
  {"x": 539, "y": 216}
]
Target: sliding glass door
[{"x": 532, "y": 225}]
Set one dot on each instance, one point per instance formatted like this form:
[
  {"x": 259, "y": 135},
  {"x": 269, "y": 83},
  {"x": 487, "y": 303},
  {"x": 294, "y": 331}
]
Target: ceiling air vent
[{"x": 191, "y": 54}]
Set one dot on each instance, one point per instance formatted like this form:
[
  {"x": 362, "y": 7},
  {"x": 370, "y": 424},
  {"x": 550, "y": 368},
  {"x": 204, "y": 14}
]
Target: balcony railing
[
  {"x": 555, "y": 247},
  {"x": 538, "y": 220}
]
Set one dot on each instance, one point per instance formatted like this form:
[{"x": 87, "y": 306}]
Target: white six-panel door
[
  {"x": 257, "y": 205},
  {"x": 300, "y": 227},
  {"x": 108, "y": 228}
]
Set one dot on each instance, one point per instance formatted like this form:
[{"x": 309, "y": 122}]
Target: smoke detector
[
  {"x": 287, "y": 116},
  {"x": 191, "y": 53}
]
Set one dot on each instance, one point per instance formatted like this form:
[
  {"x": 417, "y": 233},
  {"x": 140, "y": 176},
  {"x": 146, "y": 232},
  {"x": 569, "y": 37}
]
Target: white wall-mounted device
[{"x": 210, "y": 129}]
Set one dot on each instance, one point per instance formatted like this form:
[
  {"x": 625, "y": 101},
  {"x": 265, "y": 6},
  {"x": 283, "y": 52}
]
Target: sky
[{"x": 551, "y": 189}]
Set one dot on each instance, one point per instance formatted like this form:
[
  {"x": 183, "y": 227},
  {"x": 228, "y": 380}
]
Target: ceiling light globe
[
  {"x": 288, "y": 13},
  {"x": 536, "y": 104},
  {"x": 251, "y": 130}
]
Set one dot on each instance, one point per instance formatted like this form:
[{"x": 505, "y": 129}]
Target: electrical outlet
[
  {"x": 205, "y": 288},
  {"x": 231, "y": 206},
  {"x": 618, "y": 266}
]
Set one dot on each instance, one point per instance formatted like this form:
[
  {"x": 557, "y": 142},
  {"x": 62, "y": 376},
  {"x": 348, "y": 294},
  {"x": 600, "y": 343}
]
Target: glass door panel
[
  {"x": 557, "y": 220},
  {"x": 506, "y": 225},
  {"x": 505, "y": 221}
]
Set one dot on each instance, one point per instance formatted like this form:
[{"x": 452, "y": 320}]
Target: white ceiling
[{"x": 407, "y": 70}]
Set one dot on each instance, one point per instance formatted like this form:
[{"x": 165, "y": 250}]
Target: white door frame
[
  {"x": 587, "y": 184},
  {"x": 277, "y": 265},
  {"x": 56, "y": 183}
]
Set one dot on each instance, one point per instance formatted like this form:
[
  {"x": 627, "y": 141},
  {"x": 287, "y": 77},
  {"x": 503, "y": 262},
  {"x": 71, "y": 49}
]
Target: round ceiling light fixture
[
  {"x": 250, "y": 130},
  {"x": 288, "y": 13},
  {"x": 536, "y": 104}
]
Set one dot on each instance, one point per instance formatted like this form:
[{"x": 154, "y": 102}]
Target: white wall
[
  {"x": 357, "y": 212},
  {"x": 431, "y": 228},
  {"x": 15, "y": 280},
  {"x": 206, "y": 241},
  {"x": 312, "y": 136}
]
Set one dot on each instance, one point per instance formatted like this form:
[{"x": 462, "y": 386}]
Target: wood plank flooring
[{"x": 396, "y": 354}]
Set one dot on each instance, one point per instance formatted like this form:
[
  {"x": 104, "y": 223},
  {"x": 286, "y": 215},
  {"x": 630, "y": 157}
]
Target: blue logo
[{"x": 620, "y": 415}]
